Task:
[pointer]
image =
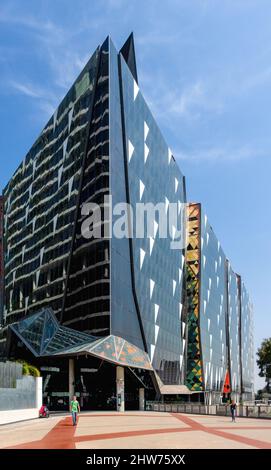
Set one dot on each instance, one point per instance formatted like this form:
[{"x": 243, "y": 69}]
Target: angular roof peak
[{"x": 128, "y": 53}]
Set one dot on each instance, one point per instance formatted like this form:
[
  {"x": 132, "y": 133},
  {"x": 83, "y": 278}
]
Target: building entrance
[{"x": 92, "y": 379}]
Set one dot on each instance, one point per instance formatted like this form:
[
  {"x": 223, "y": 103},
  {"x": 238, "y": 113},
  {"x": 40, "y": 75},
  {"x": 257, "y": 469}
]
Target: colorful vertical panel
[{"x": 194, "y": 376}]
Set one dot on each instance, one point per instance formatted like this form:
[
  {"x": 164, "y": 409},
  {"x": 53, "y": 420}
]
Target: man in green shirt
[{"x": 75, "y": 408}]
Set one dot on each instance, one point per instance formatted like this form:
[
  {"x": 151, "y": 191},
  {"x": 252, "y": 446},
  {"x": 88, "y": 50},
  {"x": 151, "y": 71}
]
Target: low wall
[
  {"x": 22, "y": 402},
  {"x": 13, "y": 416},
  {"x": 247, "y": 411},
  {"x": 21, "y": 397},
  {"x": 9, "y": 373},
  {"x": 181, "y": 408}
]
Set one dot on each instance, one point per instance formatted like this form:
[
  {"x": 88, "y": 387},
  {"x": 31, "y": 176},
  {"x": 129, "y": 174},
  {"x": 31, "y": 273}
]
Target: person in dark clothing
[{"x": 233, "y": 411}]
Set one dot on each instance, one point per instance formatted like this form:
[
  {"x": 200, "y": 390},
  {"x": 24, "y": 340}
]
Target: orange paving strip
[
  {"x": 226, "y": 435},
  {"x": 116, "y": 435},
  {"x": 62, "y": 435},
  {"x": 241, "y": 427},
  {"x": 121, "y": 416},
  {"x": 242, "y": 439},
  {"x": 199, "y": 415},
  {"x": 61, "y": 438}
]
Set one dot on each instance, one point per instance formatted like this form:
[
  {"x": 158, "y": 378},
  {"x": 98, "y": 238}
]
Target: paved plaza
[{"x": 138, "y": 430}]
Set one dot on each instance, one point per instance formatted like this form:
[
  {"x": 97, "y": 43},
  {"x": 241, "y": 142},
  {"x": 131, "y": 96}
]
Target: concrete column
[
  {"x": 142, "y": 399},
  {"x": 39, "y": 399},
  {"x": 71, "y": 378},
  {"x": 120, "y": 388}
]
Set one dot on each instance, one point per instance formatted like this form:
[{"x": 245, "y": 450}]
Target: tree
[{"x": 264, "y": 361}]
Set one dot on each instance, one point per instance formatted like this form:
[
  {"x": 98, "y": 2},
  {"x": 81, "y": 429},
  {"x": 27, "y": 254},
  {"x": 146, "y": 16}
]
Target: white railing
[{"x": 248, "y": 411}]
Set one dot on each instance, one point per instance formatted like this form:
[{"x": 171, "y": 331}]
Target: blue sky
[{"x": 204, "y": 67}]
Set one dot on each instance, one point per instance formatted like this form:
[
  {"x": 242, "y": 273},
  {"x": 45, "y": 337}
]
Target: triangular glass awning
[{"x": 44, "y": 336}]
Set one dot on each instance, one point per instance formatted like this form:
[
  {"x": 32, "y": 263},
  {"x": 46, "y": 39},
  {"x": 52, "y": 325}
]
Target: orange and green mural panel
[{"x": 194, "y": 376}]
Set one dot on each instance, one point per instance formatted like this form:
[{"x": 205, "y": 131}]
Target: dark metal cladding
[{"x": 128, "y": 53}]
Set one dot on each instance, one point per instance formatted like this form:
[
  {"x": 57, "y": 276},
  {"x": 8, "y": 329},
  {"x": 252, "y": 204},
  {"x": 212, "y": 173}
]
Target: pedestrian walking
[
  {"x": 74, "y": 408},
  {"x": 233, "y": 411}
]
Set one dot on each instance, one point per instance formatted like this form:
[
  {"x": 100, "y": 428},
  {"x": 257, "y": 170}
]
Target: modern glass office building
[
  {"x": 219, "y": 312},
  {"x": 92, "y": 311},
  {"x": 1, "y": 259}
]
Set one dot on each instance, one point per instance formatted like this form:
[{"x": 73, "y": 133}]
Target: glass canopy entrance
[{"x": 43, "y": 335}]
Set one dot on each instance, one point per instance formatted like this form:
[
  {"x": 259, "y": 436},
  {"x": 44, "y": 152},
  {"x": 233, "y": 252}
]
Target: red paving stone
[
  {"x": 117, "y": 435},
  {"x": 226, "y": 435},
  {"x": 62, "y": 436},
  {"x": 244, "y": 440},
  {"x": 121, "y": 415},
  {"x": 242, "y": 427}
]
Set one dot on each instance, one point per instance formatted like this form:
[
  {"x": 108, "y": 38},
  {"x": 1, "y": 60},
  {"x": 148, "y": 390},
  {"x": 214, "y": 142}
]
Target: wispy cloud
[
  {"x": 193, "y": 100},
  {"x": 177, "y": 96},
  {"x": 189, "y": 98},
  {"x": 8, "y": 16},
  {"x": 114, "y": 4},
  {"x": 55, "y": 45},
  {"x": 258, "y": 79},
  {"x": 156, "y": 38},
  {"x": 228, "y": 154},
  {"x": 65, "y": 65},
  {"x": 187, "y": 102},
  {"x": 47, "y": 108},
  {"x": 26, "y": 89},
  {"x": 45, "y": 99}
]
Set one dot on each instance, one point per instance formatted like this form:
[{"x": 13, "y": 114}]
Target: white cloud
[
  {"x": 223, "y": 154},
  {"x": 189, "y": 100},
  {"x": 39, "y": 26},
  {"x": 56, "y": 45},
  {"x": 65, "y": 65},
  {"x": 115, "y": 3},
  {"x": 255, "y": 80},
  {"x": 195, "y": 100},
  {"x": 32, "y": 90},
  {"x": 26, "y": 89},
  {"x": 47, "y": 108},
  {"x": 155, "y": 38},
  {"x": 43, "y": 97}
]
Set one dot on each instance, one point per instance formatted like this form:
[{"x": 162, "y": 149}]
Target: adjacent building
[
  {"x": 95, "y": 311},
  {"x": 1, "y": 260},
  {"x": 217, "y": 307}
]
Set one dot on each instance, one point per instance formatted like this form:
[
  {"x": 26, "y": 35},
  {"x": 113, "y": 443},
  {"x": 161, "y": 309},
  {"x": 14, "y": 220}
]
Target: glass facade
[
  {"x": 213, "y": 307},
  {"x": 179, "y": 311},
  {"x": 48, "y": 262},
  {"x": 220, "y": 338},
  {"x": 98, "y": 285},
  {"x": 124, "y": 317},
  {"x": 87, "y": 298},
  {"x": 40, "y": 206},
  {"x": 247, "y": 343},
  {"x": 153, "y": 176},
  {"x": 1, "y": 259},
  {"x": 234, "y": 329}
]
